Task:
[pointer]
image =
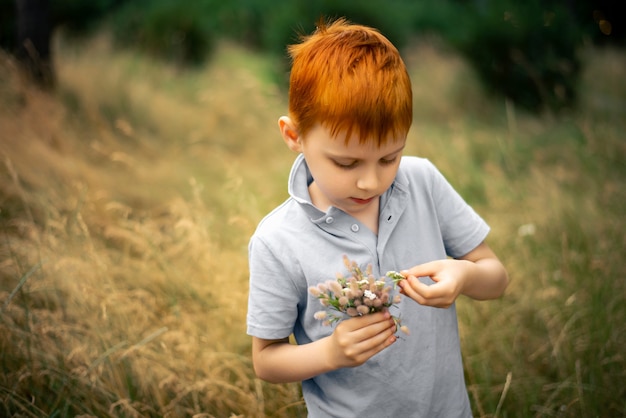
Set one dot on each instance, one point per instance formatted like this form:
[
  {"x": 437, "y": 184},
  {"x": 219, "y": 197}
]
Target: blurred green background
[{"x": 525, "y": 51}]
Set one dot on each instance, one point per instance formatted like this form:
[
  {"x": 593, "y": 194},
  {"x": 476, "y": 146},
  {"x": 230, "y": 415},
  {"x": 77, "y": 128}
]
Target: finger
[
  {"x": 426, "y": 269},
  {"x": 365, "y": 349},
  {"x": 408, "y": 290},
  {"x": 356, "y": 330},
  {"x": 354, "y": 347},
  {"x": 373, "y": 330},
  {"x": 429, "y": 295},
  {"x": 412, "y": 286},
  {"x": 363, "y": 321},
  {"x": 433, "y": 302}
]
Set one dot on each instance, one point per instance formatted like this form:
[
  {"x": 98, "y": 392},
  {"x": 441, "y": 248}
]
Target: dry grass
[
  {"x": 133, "y": 219},
  {"x": 127, "y": 199}
]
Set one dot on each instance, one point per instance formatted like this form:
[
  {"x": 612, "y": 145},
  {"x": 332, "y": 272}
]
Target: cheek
[
  {"x": 327, "y": 176},
  {"x": 389, "y": 175},
  {"x": 336, "y": 183}
]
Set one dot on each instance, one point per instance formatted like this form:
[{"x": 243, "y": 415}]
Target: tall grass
[{"x": 127, "y": 199}]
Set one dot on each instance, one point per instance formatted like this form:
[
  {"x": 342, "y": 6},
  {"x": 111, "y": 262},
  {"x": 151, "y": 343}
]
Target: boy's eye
[
  {"x": 345, "y": 165},
  {"x": 388, "y": 161},
  {"x": 353, "y": 164}
]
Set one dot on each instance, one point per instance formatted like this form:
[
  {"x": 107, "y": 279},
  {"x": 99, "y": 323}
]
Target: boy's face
[{"x": 350, "y": 176}]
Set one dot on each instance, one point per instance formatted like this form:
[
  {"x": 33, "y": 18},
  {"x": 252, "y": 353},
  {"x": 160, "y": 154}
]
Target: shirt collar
[
  {"x": 299, "y": 180},
  {"x": 298, "y": 187}
]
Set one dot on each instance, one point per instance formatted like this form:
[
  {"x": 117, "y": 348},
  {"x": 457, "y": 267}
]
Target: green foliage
[
  {"x": 176, "y": 31},
  {"x": 392, "y": 17},
  {"x": 526, "y": 52}
]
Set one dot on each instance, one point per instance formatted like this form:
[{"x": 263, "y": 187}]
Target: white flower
[{"x": 369, "y": 295}]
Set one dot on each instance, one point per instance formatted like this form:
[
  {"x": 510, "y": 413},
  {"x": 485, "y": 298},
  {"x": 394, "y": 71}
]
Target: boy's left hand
[
  {"x": 479, "y": 274},
  {"x": 448, "y": 275}
]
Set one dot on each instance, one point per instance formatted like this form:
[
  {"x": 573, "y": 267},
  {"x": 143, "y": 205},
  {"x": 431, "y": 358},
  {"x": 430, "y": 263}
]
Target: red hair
[{"x": 350, "y": 79}]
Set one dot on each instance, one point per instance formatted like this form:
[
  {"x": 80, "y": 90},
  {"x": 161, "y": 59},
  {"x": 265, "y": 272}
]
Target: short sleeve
[
  {"x": 273, "y": 298},
  {"x": 461, "y": 227}
]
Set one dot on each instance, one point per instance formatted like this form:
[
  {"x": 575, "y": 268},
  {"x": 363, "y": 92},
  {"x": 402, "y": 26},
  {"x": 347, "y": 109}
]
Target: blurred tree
[
  {"x": 179, "y": 32},
  {"x": 526, "y": 51},
  {"x": 26, "y": 28},
  {"x": 7, "y": 24},
  {"x": 33, "y": 40}
]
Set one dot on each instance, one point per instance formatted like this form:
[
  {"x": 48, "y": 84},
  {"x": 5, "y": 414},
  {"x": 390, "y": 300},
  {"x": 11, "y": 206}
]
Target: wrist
[
  {"x": 468, "y": 278},
  {"x": 327, "y": 359}
]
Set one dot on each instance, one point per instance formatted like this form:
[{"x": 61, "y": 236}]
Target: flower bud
[
  {"x": 336, "y": 288},
  {"x": 363, "y": 310},
  {"x": 314, "y": 291},
  {"x": 319, "y": 315}
]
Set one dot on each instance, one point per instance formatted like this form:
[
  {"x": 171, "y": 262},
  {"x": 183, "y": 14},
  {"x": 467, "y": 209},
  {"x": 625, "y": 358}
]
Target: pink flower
[{"x": 358, "y": 294}]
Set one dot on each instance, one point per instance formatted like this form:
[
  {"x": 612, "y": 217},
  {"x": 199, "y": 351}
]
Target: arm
[
  {"x": 352, "y": 343},
  {"x": 479, "y": 274}
]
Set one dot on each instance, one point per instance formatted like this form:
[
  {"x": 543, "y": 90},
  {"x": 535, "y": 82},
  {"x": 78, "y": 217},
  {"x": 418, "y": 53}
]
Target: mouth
[{"x": 361, "y": 201}]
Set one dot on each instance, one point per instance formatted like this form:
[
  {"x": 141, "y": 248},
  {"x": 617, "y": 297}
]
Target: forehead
[{"x": 341, "y": 144}]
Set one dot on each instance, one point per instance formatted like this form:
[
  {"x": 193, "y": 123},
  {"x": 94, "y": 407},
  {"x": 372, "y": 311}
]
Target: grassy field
[{"x": 127, "y": 199}]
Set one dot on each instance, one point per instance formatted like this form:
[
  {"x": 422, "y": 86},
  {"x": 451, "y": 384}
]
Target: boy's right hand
[
  {"x": 357, "y": 339},
  {"x": 352, "y": 343}
]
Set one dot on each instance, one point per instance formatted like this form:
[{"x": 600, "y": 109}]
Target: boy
[{"x": 352, "y": 193}]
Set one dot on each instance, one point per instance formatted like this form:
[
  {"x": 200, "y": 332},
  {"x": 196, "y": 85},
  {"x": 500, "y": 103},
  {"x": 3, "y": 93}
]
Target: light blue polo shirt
[{"x": 422, "y": 218}]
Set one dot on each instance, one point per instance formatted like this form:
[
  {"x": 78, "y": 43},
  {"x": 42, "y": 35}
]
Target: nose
[{"x": 368, "y": 179}]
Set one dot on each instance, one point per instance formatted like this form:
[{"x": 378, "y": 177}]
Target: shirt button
[
  {"x": 330, "y": 220},
  {"x": 354, "y": 228}
]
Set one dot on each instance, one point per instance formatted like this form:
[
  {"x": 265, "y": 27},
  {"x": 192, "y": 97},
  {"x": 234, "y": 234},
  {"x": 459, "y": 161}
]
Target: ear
[{"x": 290, "y": 134}]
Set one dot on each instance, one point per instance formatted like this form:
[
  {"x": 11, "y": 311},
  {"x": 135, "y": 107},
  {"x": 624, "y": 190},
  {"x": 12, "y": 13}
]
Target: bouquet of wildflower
[{"x": 358, "y": 294}]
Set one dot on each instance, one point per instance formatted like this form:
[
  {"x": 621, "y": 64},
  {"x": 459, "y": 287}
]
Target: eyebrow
[{"x": 347, "y": 157}]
